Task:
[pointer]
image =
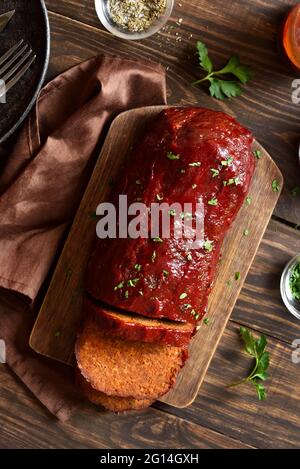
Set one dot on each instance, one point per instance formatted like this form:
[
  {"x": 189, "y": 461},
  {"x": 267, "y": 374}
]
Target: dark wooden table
[{"x": 219, "y": 418}]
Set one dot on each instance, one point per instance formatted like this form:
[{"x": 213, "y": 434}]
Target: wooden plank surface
[
  {"x": 25, "y": 424},
  {"x": 61, "y": 310},
  {"x": 239, "y": 26}
]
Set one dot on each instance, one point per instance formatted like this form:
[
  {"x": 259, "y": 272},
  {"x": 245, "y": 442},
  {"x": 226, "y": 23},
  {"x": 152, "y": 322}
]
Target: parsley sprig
[
  {"x": 257, "y": 350},
  {"x": 222, "y": 85}
]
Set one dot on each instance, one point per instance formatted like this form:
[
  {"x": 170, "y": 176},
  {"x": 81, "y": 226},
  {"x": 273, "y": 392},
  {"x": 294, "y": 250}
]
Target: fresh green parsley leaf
[
  {"x": 171, "y": 156},
  {"x": 127, "y": 294},
  {"x": 208, "y": 246},
  {"x": 206, "y": 321},
  {"x": 213, "y": 201},
  {"x": 189, "y": 257},
  {"x": 215, "y": 172},
  {"x": 183, "y": 296},
  {"x": 197, "y": 164},
  {"x": 138, "y": 267},
  {"x": 256, "y": 348},
  {"x": 275, "y": 186},
  {"x": 237, "y": 276},
  {"x": 221, "y": 86},
  {"x": 249, "y": 200},
  {"x": 204, "y": 59},
  {"x": 246, "y": 232},
  {"x": 153, "y": 256},
  {"x": 295, "y": 191},
  {"x": 157, "y": 240},
  {"x": 166, "y": 273}
]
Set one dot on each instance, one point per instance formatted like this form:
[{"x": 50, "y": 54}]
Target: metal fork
[{"x": 14, "y": 64}]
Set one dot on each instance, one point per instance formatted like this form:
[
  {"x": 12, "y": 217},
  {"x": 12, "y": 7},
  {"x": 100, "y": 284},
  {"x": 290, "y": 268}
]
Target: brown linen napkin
[{"x": 41, "y": 186}]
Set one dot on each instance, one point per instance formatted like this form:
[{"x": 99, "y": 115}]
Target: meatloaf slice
[
  {"x": 138, "y": 328},
  {"x": 112, "y": 403},
  {"x": 122, "y": 368}
]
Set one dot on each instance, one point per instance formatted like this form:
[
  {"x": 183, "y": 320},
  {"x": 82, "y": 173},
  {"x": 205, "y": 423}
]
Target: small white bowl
[
  {"x": 292, "y": 305},
  {"x": 103, "y": 15}
]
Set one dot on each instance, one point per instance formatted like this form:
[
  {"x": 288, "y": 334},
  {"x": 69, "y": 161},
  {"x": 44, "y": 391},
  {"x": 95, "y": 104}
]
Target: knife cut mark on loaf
[{"x": 134, "y": 327}]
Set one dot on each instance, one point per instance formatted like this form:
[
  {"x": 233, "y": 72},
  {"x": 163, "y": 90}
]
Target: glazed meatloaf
[
  {"x": 188, "y": 155},
  {"x": 145, "y": 296}
]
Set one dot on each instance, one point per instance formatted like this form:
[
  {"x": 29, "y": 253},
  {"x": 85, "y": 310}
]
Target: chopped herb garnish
[
  {"x": 187, "y": 306},
  {"x": 138, "y": 267},
  {"x": 237, "y": 276},
  {"x": 159, "y": 197},
  {"x": 171, "y": 156},
  {"x": 119, "y": 286},
  {"x": 215, "y": 172},
  {"x": 295, "y": 281},
  {"x": 166, "y": 273},
  {"x": 295, "y": 191},
  {"x": 231, "y": 181},
  {"x": 257, "y": 154},
  {"x": 208, "y": 246},
  {"x": 132, "y": 282},
  {"x": 206, "y": 321},
  {"x": 189, "y": 257},
  {"x": 249, "y": 200},
  {"x": 172, "y": 213},
  {"x": 275, "y": 186},
  {"x": 153, "y": 256},
  {"x": 126, "y": 294},
  {"x": 93, "y": 216},
  {"x": 246, "y": 232},
  {"x": 257, "y": 350},
  {"x": 227, "y": 162},
  {"x": 213, "y": 201},
  {"x": 183, "y": 296},
  {"x": 197, "y": 164},
  {"x": 157, "y": 240},
  {"x": 194, "y": 186}
]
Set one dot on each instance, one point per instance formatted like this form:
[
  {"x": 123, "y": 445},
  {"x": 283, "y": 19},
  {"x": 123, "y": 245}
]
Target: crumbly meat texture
[{"x": 123, "y": 368}]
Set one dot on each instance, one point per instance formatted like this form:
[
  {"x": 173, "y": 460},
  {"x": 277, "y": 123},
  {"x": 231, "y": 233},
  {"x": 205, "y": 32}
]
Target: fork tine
[
  {"x": 17, "y": 66},
  {"x": 10, "y": 52},
  {"x": 13, "y": 59},
  {"x": 17, "y": 77}
]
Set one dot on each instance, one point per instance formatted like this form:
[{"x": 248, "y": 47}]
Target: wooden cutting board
[{"x": 58, "y": 321}]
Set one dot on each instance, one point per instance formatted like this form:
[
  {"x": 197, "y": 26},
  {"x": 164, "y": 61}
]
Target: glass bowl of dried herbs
[
  {"x": 134, "y": 19},
  {"x": 290, "y": 286}
]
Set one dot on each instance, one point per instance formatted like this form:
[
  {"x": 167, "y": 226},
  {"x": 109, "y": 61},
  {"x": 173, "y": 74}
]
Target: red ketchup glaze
[{"x": 197, "y": 135}]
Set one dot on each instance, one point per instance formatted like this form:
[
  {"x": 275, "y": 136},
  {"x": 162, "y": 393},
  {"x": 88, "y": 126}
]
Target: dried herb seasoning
[{"x": 136, "y": 15}]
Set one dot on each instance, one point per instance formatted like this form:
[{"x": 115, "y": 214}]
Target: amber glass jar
[{"x": 291, "y": 37}]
